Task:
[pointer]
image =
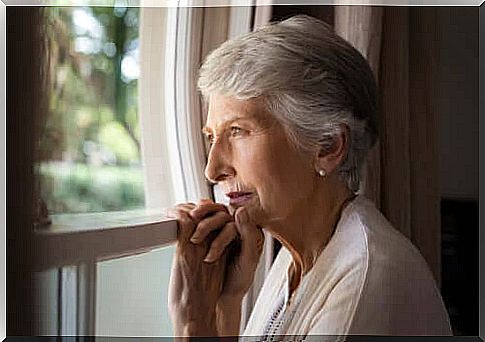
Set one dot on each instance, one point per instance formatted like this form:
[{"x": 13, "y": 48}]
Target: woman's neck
[{"x": 306, "y": 232}]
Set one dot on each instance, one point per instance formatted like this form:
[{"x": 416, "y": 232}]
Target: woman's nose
[{"x": 219, "y": 166}]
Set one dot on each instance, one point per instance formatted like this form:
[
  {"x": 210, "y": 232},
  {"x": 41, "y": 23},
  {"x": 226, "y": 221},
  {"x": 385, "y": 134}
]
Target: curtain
[
  {"x": 401, "y": 175},
  {"x": 26, "y": 84}
]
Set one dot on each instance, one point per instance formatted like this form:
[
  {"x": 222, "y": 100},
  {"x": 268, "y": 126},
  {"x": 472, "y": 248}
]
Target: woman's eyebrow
[{"x": 208, "y": 130}]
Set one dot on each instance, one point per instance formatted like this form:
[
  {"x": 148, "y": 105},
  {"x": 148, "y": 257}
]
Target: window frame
[
  {"x": 101, "y": 236},
  {"x": 76, "y": 248},
  {"x": 75, "y": 243}
]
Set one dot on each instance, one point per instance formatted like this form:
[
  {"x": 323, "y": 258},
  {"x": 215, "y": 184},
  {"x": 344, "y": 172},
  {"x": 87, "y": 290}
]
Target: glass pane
[
  {"x": 90, "y": 144},
  {"x": 47, "y": 301},
  {"x": 132, "y": 295}
]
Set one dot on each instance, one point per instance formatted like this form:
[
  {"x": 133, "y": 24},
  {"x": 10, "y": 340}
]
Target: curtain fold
[
  {"x": 401, "y": 175},
  {"x": 362, "y": 27},
  {"x": 394, "y": 120},
  {"x": 424, "y": 137}
]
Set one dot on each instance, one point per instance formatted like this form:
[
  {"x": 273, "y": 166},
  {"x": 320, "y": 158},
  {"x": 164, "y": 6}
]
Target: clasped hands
[{"x": 214, "y": 264}]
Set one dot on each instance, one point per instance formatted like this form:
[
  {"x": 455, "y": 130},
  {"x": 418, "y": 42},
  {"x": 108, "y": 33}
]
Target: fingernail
[{"x": 209, "y": 258}]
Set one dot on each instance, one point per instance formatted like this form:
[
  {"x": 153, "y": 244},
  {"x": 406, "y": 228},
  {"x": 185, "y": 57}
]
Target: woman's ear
[{"x": 331, "y": 158}]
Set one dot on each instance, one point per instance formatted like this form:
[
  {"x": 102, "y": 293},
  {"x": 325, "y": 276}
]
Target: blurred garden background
[{"x": 90, "y": 145}]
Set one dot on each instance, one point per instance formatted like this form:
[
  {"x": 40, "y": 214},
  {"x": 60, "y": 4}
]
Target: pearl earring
[{"x": 322, "y": 172}]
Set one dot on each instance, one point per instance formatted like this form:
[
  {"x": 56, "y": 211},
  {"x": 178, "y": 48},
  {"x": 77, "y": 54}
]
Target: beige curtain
[{"x": 401, "y": 175}]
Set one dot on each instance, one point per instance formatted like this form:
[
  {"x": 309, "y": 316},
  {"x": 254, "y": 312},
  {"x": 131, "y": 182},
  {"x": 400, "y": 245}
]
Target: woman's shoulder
[
  {"x": 384, "y": 261},
  {"x": 399, "y": 292},
  {"x": 373, "y": 237},
  {"x": 384, "y": 275}
]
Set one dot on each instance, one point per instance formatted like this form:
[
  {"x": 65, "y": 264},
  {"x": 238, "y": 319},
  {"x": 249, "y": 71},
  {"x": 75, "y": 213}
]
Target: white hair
[{"x": 311, "y": 80}]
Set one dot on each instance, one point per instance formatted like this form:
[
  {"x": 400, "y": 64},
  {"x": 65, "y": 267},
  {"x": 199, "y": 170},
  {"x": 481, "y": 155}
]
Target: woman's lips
[{"x": 238, "y": 197}]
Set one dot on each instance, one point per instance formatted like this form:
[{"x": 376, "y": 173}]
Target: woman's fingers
[
  {"x": 187, "y": 207},
  {"x": 209, "y": 224},
  {"x": 186, "y": 225},
  {"x": 243, "y": 263},
  {"x": 252, "y": 238},
  {"x": 197, "y": 221},
  {"x": 226, "y": 236},
  {"x": 206, "y": 207}
]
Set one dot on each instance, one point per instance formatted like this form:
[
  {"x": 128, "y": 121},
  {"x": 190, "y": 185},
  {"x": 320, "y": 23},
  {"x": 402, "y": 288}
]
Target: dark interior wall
[
  {"x": 458, "y": 102},
  {"x": 324, "y": 12}
]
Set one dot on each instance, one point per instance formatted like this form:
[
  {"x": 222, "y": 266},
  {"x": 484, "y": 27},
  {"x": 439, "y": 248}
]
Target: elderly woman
[{"x": 292, "y": 113}]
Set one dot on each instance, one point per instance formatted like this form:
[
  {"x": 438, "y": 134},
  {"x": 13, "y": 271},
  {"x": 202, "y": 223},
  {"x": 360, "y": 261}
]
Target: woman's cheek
[{"x": 257, "y": 159}]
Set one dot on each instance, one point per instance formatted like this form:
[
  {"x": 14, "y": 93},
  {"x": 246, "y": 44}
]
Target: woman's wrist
[
  {"x": 200, "y": 328},
  {"x": 226, "y": 301},
  {"x": 228, "y": 314},
  {"x": 190, "y": 325}
]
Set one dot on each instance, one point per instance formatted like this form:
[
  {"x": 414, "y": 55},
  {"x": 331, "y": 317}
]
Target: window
[
  {"x": 90, "y": 143},
  {"x": 91, "y": 148},
  {"x": 128, "y": 145}
]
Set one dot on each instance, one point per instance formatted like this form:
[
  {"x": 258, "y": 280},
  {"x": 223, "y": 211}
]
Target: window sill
[{"x": 75, "y": 238}]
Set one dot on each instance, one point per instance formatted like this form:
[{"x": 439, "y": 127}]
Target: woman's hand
[
  {"x": 222, "y": 247},
  {"x": 241, "y": 238},
  {"x": 195, "y": 285},
  {"x": 244, "y": 242}
]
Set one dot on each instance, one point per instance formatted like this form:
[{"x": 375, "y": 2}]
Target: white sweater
[{"x": 369, "y": 280}]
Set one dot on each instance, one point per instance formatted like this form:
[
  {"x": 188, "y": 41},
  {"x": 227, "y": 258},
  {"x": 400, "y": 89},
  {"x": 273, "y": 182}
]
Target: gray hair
[{"x": 313, "y": 81}]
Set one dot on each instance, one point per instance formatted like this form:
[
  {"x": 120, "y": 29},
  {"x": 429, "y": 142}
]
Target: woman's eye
[{"x": 236, "y": 130}]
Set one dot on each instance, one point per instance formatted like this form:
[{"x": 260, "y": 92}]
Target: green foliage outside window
[{"x": 90, "y": 144}]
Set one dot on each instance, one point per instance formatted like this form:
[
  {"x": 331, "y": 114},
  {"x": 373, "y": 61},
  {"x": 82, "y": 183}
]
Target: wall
[{"x": 458, "y": 102}]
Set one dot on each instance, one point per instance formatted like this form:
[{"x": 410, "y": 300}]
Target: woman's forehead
[{"x": 224, "y": 109}]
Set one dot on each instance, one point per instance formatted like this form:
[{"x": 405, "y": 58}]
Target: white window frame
[{"x": 75, "y": 243}]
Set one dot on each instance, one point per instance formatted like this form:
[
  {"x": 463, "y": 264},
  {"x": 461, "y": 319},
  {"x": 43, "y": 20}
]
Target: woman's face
[{"x": 253, "y": 160}]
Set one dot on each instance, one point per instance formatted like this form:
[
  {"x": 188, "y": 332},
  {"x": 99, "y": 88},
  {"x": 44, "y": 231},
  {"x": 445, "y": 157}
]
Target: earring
[{"x": 322, "y": 172}]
